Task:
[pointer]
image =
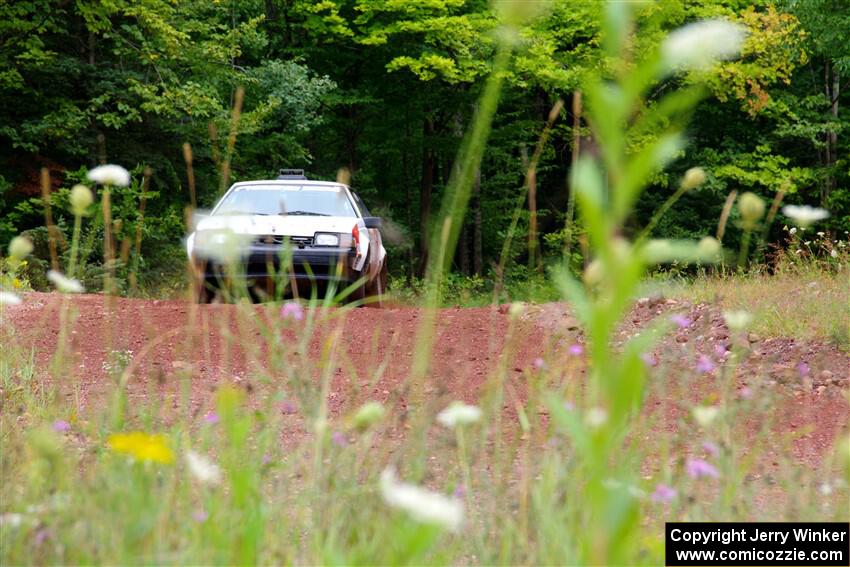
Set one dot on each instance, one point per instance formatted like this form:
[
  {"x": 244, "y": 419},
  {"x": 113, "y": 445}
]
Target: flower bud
[
  {"x": 751, "y": 207},
  {"x": 708, "y": 248},
  {"x": 81, "y": 198},
  {"x": 693, "y": 178},
  {"x": 368, "y": 415},
  {"x": 593, "y": 273},
  {"x": 20, "y": 248}
]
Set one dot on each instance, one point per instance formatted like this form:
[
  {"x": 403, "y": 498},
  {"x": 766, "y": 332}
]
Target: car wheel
[{"x": 377, "y": 289}]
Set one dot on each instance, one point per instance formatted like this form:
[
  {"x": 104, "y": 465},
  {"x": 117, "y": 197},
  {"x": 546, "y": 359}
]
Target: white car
[{"x": 290, "y": 232}]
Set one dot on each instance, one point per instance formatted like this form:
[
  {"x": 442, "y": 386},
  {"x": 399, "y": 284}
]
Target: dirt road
[{"x": 372, "y": 353}]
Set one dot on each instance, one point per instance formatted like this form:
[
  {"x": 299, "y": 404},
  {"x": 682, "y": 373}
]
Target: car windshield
[{"x": 317, "y": 200}]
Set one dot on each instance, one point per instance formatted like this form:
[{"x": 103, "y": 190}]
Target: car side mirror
[{"x": 372, "y": 222}]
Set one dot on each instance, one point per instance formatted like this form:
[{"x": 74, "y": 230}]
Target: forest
[{"x": 385, "y": 90}]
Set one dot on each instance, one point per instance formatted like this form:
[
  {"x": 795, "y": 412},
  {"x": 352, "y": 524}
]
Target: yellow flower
[
  {"x": 142, "y": 446},
  {"x": 16, "y": 283}
]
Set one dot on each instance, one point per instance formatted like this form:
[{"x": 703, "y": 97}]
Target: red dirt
[{"x": 221, "y": 346}]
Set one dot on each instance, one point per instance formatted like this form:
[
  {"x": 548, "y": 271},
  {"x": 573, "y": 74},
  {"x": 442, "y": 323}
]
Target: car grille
[{"x": 297, "y": 241}]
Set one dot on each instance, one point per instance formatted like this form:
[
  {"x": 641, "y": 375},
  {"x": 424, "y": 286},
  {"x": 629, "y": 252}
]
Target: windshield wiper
[
  {"x": 243, "y": 213},
  {"x": 304, "y": 213}
]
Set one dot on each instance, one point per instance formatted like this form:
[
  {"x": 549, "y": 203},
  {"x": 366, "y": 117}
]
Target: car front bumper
[{"x": 314, "y": 264}]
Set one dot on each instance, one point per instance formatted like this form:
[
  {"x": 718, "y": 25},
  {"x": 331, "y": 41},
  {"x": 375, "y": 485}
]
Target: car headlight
[{"x": 325, "y": 239}]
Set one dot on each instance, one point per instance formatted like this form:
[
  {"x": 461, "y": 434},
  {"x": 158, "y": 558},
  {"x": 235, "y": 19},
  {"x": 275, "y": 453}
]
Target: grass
[{"x": 579, "y": 460}]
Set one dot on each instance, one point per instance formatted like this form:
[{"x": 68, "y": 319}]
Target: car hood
[{"x": 285, "y": 225}]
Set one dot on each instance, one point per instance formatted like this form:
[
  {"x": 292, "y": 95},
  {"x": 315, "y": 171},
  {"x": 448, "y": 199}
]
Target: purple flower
[
  {"x": 459, "y": 491},
  {"x": 339, "y": 439},
  {"x": 704, "y": 364},
  {"x": 663, "y": 493},
  {"x": 200, "y": 516},
  {"x": 266, "y": 459},
  {"x": 61, "y": 426},
  {"x": 576, "y": 350},
  {"x": 41, "y": 536},
  {"x": 292, "y": 310},
  {"x": 746, "y": 392},
  {"x": 681, "y": 321},
  {"x": 211, "y": 418},
  {"x": 649, "y": 359},
  {"x": 539, "y": 363},
  {"x": 721, "y": 350},
  {"x": 803, "y": 369},
  {"x": 711, "y": 448},
  {"x": 569, "y": 406},
  {"x": 287, "y": 407},
  {"x": 698, "y": 468}
]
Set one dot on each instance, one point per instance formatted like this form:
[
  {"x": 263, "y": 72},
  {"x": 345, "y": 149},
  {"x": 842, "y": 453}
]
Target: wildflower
[
  {"x": 825, "y": 489},
  {"x": 110, "y": 175},
  {"x": 539, "y": 363},
  {"x": 708, "y": 248},
  {"x": 704, "y": 364},
  {"x": 704, "y": 415},
  {"x": 338, "y": 438},
  {"x": 142, "y": 446},
  {"x": 649, "y": 359},
  {"x": 287, "y": 407},
  {"x": 576, "y": 350},
  {"x": 8, "y": 298},
  {"x": 700, "y": 44},
  {"x": 693, "y": 178},
  {"x": 202, "y": 468},
  {"x": 200, "y": 516},
  {"x": 804, "y": 215},
  {"x": 663, "y": 493},
  {"x": 803, "y": 369},
  {"x": 212, "y": 418},
  {"x": 711, "y": 448},
  {"x": 421, "y": 504},
  {"x": 746, "y": 392},
  {"x": 793, "y": 230},
  {"x": 41, "y": 536},
  {"x": 63, "y": 283},
  {"x": 596, "y": 417},
  {"x": 368, "y": 415},
  {"x": 20, "y": 248},
  {"x": 459, "y": 492},
  {"x": 61, "y": 426},
  {"x": 81, "y": 199},
  {"x": 681, "y": 321},
  {"x": 721, "y": 350},
  {"x": 223, "y": 245},
  {"x": 698, "y": 468},
  {"x": 16, "y": 283},
  {"x": 11, "y": 519},
  {"x": 833, "y": 253},
  {"x": 569, "y": 406},
  {"x": 737, "y": 320},
  {"x": 821, "y": 234},
  {"x": 458, "y": 413},
  {"x": 292, "y": 310},
  {"x": 751, "y": 207}
]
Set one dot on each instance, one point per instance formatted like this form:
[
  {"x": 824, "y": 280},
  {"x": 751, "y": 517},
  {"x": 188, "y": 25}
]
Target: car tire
[{"x": 376, "y": 290}]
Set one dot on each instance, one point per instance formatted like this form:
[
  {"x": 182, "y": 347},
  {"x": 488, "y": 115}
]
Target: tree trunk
[
  {"x": 426, "y": 187},
  {"x": 477, "y": 252},
  {"x": 571, "y": 198}
]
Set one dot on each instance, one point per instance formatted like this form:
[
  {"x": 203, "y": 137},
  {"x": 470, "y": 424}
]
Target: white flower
[
  {"x": 596, "y": 417},
  {"x": 202, "y": 468},
  {"x": 737, "y": 320},
  {"x": 833, "y": 253},
  {"x": 63, "y": 283},
  {"x": 8, "y": 298},
  {"x": 804, "y": 215},
  {"x": 11, "y": 519},
  {"x": 698, "y": 45},
  {"x": 458, "y": 413},
  {"x": 793, "y": 230},
  {"x": 223, "y": 245},
  {"x": 81, "y": 198},
  {"x": 704, "y": 415},
  {"x": 693, "y": 178},
  {"x": 821, "y": 234},
  {"x": 110, "y": 175},
  {"x": 422, "y": 505},
  {"x": 20, "y": 247}
]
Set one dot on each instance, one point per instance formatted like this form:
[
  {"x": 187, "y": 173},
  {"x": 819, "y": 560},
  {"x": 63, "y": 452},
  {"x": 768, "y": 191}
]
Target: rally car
[{"x": 293, "y": 233}]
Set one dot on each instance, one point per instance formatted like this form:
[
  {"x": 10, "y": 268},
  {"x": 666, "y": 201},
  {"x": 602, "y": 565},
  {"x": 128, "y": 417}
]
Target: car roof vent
[{"x": 291, "y": 174}]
